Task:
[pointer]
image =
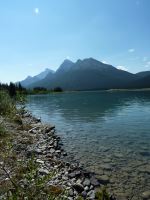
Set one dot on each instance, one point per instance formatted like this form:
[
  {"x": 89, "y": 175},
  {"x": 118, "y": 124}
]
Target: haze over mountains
[
  {"x": 87, "y": 74},
  {"x": 30, "y": 80}
]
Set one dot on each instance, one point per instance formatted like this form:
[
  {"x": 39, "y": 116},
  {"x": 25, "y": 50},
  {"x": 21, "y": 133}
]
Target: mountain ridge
[
  {"x": 91, "y": 74},
  {"x": 32, "y": 79}
]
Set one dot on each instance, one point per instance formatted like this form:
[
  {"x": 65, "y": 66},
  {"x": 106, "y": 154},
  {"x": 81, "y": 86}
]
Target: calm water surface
[{"x": 107, "y": 132}]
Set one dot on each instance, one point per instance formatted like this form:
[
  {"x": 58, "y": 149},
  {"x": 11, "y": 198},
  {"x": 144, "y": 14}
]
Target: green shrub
[{"x": 7, "y": 106}]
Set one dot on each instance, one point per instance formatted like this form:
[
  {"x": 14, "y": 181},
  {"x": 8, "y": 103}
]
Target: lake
[{"x": 107, "y": 132}]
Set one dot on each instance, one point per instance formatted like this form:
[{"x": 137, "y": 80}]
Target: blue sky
[{"x": 39, "y": 34}]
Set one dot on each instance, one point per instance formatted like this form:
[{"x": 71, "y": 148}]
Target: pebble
[
  {"x": 43, "y": 171},
  {"x": 87, "y": 188},
  {"x": 39, "y": 161}
]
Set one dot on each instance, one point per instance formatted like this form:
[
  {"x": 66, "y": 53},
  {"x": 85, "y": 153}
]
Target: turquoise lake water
[{"x": 107, "y": 132}]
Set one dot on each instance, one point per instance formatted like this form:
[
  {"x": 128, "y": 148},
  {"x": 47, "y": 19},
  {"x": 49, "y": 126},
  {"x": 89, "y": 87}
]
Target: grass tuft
[{"x": 3, "y": 131}]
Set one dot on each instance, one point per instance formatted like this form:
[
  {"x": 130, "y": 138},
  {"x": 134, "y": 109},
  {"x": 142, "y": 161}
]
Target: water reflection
[{"x": 86, "y": 106}]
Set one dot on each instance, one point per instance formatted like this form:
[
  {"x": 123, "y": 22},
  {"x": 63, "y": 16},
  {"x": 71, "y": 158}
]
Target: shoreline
[
  {"x": 35, "y": 139},
  {"x": 98, "y": 90}
]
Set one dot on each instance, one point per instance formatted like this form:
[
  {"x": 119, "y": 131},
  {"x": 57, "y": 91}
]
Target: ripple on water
[{"x": 107, "y": 132}]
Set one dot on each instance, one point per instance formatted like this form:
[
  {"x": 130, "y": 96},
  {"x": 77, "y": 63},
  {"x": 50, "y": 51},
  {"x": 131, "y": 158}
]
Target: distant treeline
[
  {"x": 14, "y": 89},
  {"x": 42, "y": 90}
]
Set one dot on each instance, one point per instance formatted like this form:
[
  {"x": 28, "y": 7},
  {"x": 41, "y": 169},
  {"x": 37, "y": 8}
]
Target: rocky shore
[
  {"x": 38, "y": 146},
  {"x": 31, "y": 140}
]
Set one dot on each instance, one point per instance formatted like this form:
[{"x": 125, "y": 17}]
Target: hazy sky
[{"x": 39, "y": 34}]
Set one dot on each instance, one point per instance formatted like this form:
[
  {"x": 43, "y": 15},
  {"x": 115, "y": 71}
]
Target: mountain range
[
  {"x": 87, "y": 74},
  {"x": 31, "y": 80}
]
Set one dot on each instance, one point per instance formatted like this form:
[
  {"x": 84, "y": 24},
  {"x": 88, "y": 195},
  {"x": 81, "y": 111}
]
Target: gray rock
[
  {"x": 69, "y": 184},
  {"x": 26, "y": 114},
  {"x": 38, "y": 151},
  {"x": 72, "y": 175},
  {"x": 43, "y": 147},
  {"x": 106, "y": 166},
  {"x": 79, "y": 181},
  {"x": 91, "y": 187},
  {"x": 47, "y": 129},
  {"x": 43, "y": 171},
  {"x": 91, "y": 194},
  {"x": 69, "y": 198},
  {"x": 78, "y": 173},
  {"x": 64, "y": 154},
  {"x": 55, "y": 144},
  {"x": 58, "y": 151},
  {"x": 71, "y": 193},
  {"x": 86, "y": 188},
  {"x": 84, "y": 194},
  {"x": 33, "y": 130},
  {"x": 75, "y": 193},
  {"x": 52, "y": 151},
  {"x": 146, "y": 195},
  {"x": 86, "y": 182},
  {"x": 118, "y": 155},
  {"x": 37, "y": 119},
  {"x": 65, "y": 178},
  {"x": 39, "y": 161},
  {"x": 66, "y": 173},
  {"x": 104, "y": 179},
  {"x": 94, "y": 182}
]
